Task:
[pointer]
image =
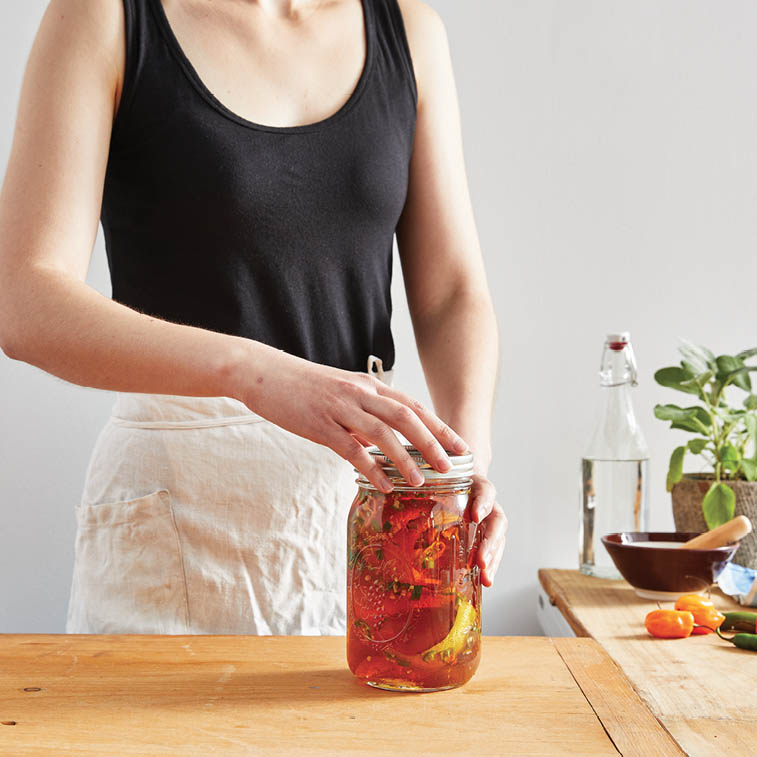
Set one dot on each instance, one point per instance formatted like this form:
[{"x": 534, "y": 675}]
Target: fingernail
[
  {"x": 416, "y": 478},
  {"x": 460, "y": 445},
  {"x": 443, "y": 464},
  {"x": 386, "y": 485},
  {"x": 474, "y": 511}
]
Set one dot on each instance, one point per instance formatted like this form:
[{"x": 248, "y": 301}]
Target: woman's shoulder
[
  {"x": 104, "y": 17},
  {"x": 419, "y": 12},
  {"x": 427, "y": 39},
  {"x": 81, "y": 34},
  {"x": 422, "y": 21}
]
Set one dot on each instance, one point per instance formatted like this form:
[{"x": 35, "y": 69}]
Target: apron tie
[{"x": 376, "y": 368}]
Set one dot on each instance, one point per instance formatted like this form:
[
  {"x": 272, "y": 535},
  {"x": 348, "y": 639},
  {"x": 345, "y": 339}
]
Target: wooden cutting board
[
  {"x": 702, "y": 689},
  {"x": 201, "y": 695}
]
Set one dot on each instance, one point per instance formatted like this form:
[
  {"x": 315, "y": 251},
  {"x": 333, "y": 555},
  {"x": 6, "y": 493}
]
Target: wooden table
[
  {"x": 703, "y": 690},
  {"x": 201, "y": 695}
]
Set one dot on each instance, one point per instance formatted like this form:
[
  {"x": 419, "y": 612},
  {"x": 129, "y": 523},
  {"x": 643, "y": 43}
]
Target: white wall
[{"x": 613, "y": 165}]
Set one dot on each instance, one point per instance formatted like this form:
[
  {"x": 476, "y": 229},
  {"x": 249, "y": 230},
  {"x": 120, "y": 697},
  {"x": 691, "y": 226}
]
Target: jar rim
[{"x": 462, "y": 465}]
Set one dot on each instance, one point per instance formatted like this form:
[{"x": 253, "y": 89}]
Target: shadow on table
[{"x": 226, "y": 686}]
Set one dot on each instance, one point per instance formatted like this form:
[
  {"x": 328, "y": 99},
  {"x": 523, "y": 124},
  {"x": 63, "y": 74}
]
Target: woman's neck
[{"x": 289, "y": 9}]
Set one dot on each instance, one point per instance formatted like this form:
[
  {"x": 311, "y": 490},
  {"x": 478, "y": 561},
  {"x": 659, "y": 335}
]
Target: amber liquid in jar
[{"x": 413, "y": 592}]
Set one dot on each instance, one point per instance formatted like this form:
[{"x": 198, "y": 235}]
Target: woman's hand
[
  {"x": 346, "y": 412},
  {"x": 488, "y": 512}
]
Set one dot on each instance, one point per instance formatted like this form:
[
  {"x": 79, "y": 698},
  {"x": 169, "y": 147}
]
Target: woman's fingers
[
  {"x": 370, "y": 412},
  {"x": 363, "y": 440},
  {"x": 408, "y": 423},
  {"x": 448, "y": 438},
  {"x": 347, "y": 446},
  {"x": 492, "y": 544},
  {"x": 347, "y": 442},
  {"x": 372, "y": 427},
  {"x": 483, "y": 496}
]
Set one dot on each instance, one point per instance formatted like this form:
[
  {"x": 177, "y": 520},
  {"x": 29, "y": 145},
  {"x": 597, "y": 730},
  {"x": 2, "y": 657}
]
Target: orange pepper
[
  {"x": 669, "y": 624},
  {"x": 706, "y": 617},
  {"x": 693, "y": 602},
  {"x": 709, "y": 618}
]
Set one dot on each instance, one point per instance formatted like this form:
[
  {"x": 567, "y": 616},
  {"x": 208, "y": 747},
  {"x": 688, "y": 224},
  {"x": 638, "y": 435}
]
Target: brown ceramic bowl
[{"x": 665, "y": 572}]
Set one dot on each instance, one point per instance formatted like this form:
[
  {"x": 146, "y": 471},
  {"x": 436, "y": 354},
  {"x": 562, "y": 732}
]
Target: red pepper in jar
[{"x": 413, "y": 590}]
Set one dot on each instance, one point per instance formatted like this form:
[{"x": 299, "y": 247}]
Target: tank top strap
[
  {"x": 141, "y": 34},
  {"x": 386, "y": 23}
]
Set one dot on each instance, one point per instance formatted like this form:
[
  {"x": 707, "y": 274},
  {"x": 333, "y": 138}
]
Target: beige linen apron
[{"x": 201, "y": 517}]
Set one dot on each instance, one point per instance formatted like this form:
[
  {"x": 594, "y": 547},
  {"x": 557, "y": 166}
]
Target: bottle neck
[
  {"x": 617, "y": 435},
  {"x": 618, "y": 367}
]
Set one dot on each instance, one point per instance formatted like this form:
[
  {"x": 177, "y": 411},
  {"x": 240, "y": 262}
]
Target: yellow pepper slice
[{"x": 454, "y": 642}]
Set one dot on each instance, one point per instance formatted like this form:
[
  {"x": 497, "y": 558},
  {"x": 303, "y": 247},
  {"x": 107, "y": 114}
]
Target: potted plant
[{"x": 724, "y": 424}]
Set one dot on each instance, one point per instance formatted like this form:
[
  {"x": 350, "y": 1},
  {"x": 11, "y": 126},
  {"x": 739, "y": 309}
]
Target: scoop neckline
[{"x": 197, "y": 82}]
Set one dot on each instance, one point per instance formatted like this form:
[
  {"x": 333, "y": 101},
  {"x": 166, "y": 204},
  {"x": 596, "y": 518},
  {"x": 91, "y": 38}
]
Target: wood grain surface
[
  {"x": 633, "y": 728},
  {"x": 702, "y": 689},
  {"x": 202, "y": 695}
]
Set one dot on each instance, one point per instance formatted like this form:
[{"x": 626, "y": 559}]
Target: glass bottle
[
  {"x": 413, "y": 591},
  {"x": 614, "y": 476}
]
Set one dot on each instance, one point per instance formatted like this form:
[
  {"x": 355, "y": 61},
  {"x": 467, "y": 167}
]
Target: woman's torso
[{"x": 278, "y": 233}]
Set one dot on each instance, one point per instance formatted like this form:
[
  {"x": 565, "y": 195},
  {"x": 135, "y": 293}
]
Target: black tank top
[{"x": 279, "y": 234}]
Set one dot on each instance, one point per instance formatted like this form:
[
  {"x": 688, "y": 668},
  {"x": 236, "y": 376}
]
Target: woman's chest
[
  {"x": 269, "y": 70},
  {"x": 209, "y": 171}
]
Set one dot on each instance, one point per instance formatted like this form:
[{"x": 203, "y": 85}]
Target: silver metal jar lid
[{"x": 462, "y": 465}]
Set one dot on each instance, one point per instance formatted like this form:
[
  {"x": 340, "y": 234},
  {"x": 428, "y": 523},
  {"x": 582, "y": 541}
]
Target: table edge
[{"x": 557, "y": 599}]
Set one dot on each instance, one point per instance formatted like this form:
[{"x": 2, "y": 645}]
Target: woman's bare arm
[
  {"x": 50, "y": 318},
  {"x": 448, "y": 295},
  {"x": 49, "y": 211}
]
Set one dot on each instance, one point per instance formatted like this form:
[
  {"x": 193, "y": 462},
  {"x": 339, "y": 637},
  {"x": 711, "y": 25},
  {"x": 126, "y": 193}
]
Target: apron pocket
[{"x": 129, "y": 569}]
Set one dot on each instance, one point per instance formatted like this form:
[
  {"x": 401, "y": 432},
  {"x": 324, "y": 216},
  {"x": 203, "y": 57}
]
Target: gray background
[{"x": 612, "y": 161}]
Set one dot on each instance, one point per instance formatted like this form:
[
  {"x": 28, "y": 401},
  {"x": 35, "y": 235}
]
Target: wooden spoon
[{"x": 735, "y": 529}]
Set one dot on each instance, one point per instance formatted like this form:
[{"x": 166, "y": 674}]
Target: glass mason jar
[{"x": 413, "y": 591}]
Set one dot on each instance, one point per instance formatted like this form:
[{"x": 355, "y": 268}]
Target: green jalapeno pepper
[
  {"x": 741, "y": 640},
  {"x": 740, "y": 621}
]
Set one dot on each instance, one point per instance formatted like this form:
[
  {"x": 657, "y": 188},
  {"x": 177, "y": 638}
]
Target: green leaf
[
  {"x": 729, "y": 452},
  {"x": 750, "y": 403},
  {"x": 687, "y": 418},
  {"x": 718, "y": 505},
  {"x": 742, "y": 379},
  {"x": 731, "y": 370},
  {"x": 670, "y": 413},
  {"x": 674, "y": 377},
  {"x": 733, "y": 415},
  {"x": 700, "y": 414},
  {"x": 697, "y": 446},
  {"x": 730, "y": 457},
  {"x": 751, "y": 426},
  {"x": 675, "y": 471},
  {"x": 690, "y": 369},
  {"x": 746, "y": 354},
  {"x": 701, "y": 378},
  {"x": 709, "y": 356},
  {"x": 750, "y": 469},
  {"x": 697, "y": 384},
  {"x": 689, "y": 426},
  {"x": 699, "y": 357},
  {"x": 727, "y": 364}
]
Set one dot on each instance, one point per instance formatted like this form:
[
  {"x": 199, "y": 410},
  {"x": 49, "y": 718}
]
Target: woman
[{"x": 251, "y": 161}]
